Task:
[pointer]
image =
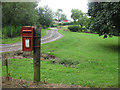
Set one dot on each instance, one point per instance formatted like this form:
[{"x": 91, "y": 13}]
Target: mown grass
[
  {"x": 95, "y": 60},
  {"x": 19, "y": 38}
]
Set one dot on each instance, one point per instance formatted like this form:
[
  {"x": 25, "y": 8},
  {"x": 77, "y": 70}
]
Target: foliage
[
  {"x": 45, "y": 16},
  {"x": 54, "y": 25},
  {"x": 84, "y": 21},
  {"x": 58, "y": 14},
  {"x": 66, "y": 23},
  {"x": 74, "y": 28},
  {"x": 80, "y": 18},
  {"x": 11, "y": 31},
  {"x": 106, "y": 18},
  {"x": 76, "y": 14},
  {"x": 18, "y": 13},
  {"x": 15, "y": 15},
  {"x": 63, "y": 17}
]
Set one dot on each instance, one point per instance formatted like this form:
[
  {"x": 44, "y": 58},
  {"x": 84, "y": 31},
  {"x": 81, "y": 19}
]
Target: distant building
[{"x": 63, "y": 21}]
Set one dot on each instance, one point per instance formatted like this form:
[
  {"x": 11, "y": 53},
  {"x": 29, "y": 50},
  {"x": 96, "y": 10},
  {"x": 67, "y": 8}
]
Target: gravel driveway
[{"x": 51, "y": 35}]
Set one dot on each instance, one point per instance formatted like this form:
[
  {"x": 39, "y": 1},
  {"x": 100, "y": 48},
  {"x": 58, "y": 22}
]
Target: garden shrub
[
  {"x": 54, "y": 25},
  {"x": 66, "y": 23},
  {"x": 74, "y": 28}
]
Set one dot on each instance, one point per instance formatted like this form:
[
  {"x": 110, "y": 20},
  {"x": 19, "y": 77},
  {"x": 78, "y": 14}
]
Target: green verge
[
  {"x": 11, "y": 40},
  {"x": 18, "y": 39},
  {"x": 95, "y": 60}
]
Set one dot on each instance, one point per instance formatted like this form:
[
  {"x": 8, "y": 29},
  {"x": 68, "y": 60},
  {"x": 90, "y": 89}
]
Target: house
[{"x": 64, "y": 21}]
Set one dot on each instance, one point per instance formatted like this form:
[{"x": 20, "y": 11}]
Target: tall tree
[
  {"x": 63, "y": 17},
  {"x": 84, "y": 21},
  {"x": 106, "y": 17},
  {"x": 58, "y": 13},
  {"x": 45, "y": 16},
  {"x": 18, "y": 13},
  {"x": 76, "y": 14}
]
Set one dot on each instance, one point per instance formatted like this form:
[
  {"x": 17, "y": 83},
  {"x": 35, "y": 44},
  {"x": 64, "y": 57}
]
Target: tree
[
  {"x": 58, "y": 13},
  {"x": 18, "y": 13},
  {"x": 106, "y": 18},
  {"x": 76, "y": 14},
  {"x": 63, "y": 17},
  {"x": 45, "y": 16},
  {"x": 84, "y": 21},
  {"x": 80, "y": 18}
]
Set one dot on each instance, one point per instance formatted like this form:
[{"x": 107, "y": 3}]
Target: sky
[{"x": 65, "y": 5}]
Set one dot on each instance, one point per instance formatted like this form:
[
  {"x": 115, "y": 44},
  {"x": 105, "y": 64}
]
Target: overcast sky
[{"x": 65, "y": 5}]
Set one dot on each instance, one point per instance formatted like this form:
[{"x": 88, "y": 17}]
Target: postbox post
[{"x": 36, "y": 52}]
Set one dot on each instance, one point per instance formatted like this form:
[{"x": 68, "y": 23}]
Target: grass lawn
[
  {"x": 95, "y": 60},
  {"x": 18, "y": 39}
]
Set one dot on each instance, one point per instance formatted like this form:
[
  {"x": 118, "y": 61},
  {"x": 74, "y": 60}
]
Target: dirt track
[{"x": 51, "y": 35}]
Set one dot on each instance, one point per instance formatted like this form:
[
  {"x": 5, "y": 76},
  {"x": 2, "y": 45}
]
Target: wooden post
[
  {"x": 36, "y": 53},
  {"x": 7, "y": 67},
  {"x": 6, "y": 61}
]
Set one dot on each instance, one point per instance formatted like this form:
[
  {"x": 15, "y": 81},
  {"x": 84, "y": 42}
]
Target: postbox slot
[
  {"x": 27, "y": 30},
  {"x": 27, "y": 36}
]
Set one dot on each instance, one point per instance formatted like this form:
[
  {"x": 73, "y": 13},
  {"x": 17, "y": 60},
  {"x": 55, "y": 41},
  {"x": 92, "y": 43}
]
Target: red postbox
[{"x": 27, "y": 38}]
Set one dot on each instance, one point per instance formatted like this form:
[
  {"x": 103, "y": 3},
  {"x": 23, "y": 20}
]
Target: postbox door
[{"x": 27, "y": 44}]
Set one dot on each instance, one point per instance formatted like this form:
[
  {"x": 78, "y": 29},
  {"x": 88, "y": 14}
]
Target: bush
[
  {"x": 11, "y": 31},
  {"x": 54, "y": 25},
  {"x": 66, "y": 23},
  {"x": 74, "y": 28}
]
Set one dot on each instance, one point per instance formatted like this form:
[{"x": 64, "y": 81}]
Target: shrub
[
  {"x": 66, "y": 23},
  {"x": 54, "y": 25},
  {"x": 74, "y": 28},
  {"x": 11, "y": 31}
]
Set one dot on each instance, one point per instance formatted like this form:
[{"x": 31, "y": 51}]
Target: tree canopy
[
  {"x": 80, "y": 18},
  {"x": 45, "y": 15},
  {"x": 58, "y": 14},
  {"x": 106, "y": 18},
  {"x": 76, "y": 14},
  {"x": 63, "y": 17},
  {"x": 25, "y": 14},
  {"x": 18, "y": 13}
]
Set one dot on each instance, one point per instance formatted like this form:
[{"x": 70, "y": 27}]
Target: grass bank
[{"x": 90, "y": 61}]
